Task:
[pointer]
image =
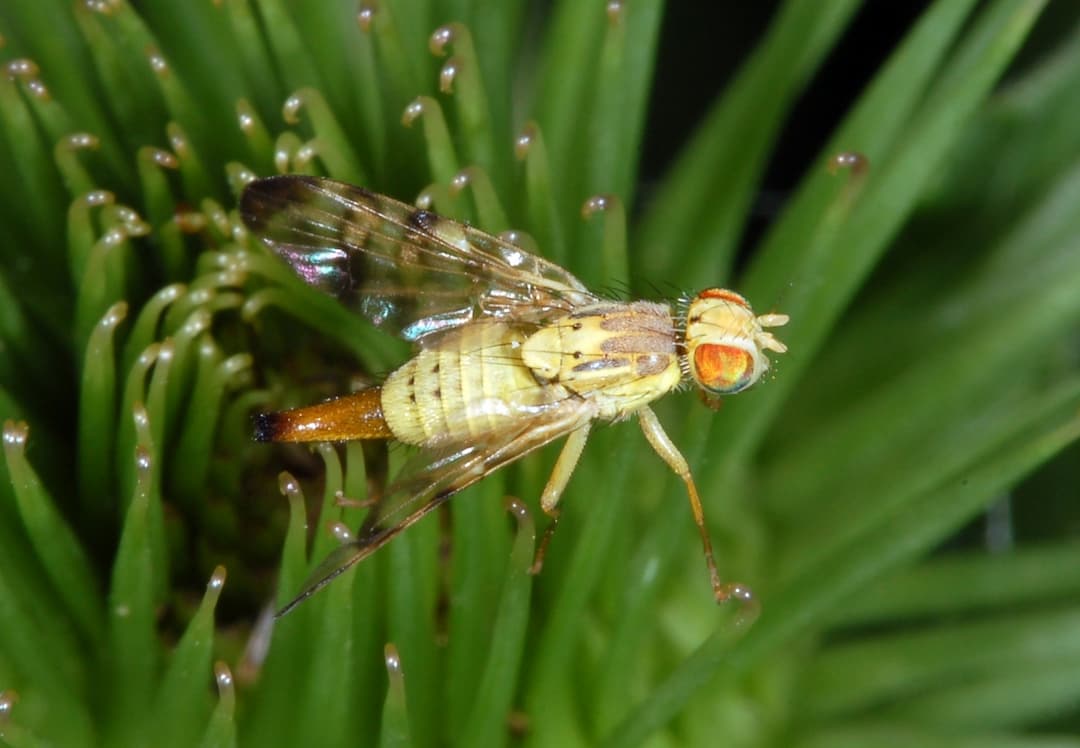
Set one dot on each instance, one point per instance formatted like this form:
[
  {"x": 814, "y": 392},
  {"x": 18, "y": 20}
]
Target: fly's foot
[
  {"x": 749, "y": 607},
  {"x": 538, "y": 562},
  {"x": 344, "y": 502}
]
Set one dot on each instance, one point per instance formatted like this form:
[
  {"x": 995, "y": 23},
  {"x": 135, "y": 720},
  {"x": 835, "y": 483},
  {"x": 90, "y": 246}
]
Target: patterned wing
[
  {"x": 432, "y": 479},
  {"x": 407, "y": 270}
]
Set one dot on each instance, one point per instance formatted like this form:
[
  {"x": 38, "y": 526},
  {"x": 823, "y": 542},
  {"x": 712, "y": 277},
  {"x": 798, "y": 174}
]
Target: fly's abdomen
[{"x": 470, "y": 385}]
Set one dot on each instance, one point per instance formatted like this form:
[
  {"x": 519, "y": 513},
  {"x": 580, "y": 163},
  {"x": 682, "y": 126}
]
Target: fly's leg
[
  {"x": 549, "y": 499},
  {"x": 664, "y": 447},
  {"x": 372, "y": 453},
  {"x": 344, "y": 502}
]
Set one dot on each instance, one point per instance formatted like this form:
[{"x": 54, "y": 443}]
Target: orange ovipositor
[{"x": 355, "y": 416}]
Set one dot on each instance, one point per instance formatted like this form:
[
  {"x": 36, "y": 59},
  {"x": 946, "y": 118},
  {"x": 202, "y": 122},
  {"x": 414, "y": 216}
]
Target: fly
[{"x": 512, "y": 353}]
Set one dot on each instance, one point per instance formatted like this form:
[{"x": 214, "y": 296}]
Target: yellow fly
[{"x": 513, "y": 352}]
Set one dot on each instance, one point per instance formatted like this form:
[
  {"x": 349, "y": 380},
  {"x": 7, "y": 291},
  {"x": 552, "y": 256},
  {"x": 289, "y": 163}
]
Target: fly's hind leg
[
  {"x": 549, "y": 499},
  {"x": 664, "y": 447}
]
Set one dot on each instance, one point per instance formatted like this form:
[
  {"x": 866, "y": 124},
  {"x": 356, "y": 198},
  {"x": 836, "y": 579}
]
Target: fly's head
[{"x": 726, "y": 341}]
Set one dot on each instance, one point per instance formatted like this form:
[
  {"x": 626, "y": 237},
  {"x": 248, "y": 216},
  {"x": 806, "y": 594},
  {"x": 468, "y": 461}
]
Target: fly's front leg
[
  {"x": 549, "y": 499},
  {"x": 664, "y": 447}
]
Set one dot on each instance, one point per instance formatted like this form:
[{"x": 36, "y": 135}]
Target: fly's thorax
[
  {"x": 464, "y": 387},
  {"x": 726, "y": 341},
  {"x": 621, "y": 354}
]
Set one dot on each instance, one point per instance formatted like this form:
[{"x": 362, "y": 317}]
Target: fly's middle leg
[
  {"x": 549, "y": 499},
  {"x": 662, "y": 444}
]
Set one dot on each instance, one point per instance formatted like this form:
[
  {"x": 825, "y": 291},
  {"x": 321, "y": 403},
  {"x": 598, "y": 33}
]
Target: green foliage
[{"x": 933, "y": 367}]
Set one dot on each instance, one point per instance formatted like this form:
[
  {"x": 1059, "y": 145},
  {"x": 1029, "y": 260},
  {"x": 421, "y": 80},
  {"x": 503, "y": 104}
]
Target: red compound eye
[{"x": 723, "y": 369}]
